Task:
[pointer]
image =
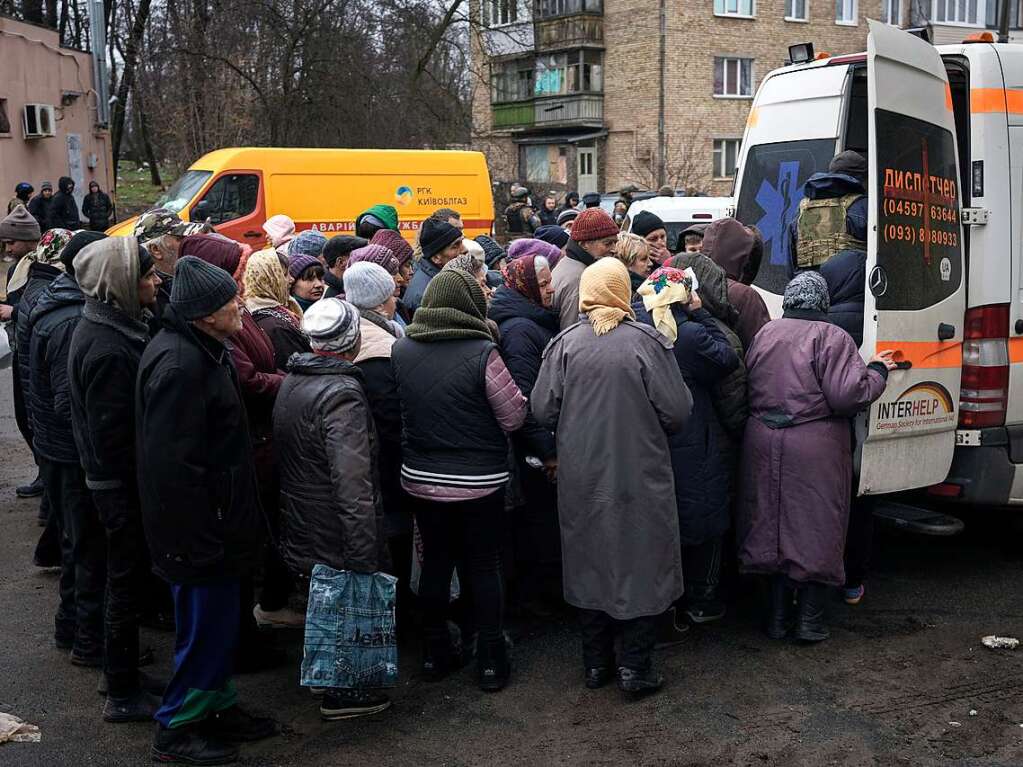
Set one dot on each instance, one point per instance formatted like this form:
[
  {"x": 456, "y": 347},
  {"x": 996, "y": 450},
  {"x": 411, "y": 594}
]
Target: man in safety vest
[
  {"x": 519, "y": 216},
  {"x": 832, "y": 214}
]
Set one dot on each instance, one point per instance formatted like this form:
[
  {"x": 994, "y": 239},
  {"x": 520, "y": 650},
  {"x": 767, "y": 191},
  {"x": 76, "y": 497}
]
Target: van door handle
[
  {"x": 946, "y": 332},
  {"x": 252, "y": 233},
  {"x": 903, "y": 365}
]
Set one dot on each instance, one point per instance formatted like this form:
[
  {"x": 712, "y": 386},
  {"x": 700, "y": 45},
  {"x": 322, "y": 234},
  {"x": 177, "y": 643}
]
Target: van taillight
[{"x": 985, "y": 382}]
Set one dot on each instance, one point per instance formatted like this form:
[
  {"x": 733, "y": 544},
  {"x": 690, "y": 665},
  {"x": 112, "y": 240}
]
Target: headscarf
[
  {"x": 467, "y": 262},
  {"x": 666, "y": 286},
  {"x": 520, "y": 276},
  {"x": 713, "y": 284},
  {"x": 453, "y": 307},
  {"x": 266, "y": 284},
  {"x": 534, "y": 247},
  {"x": 109, "y": 271},
  {"x": 807, "y": 291},
  {"x": 47, "y": 252},
  {"x": 604, "y": 293}
]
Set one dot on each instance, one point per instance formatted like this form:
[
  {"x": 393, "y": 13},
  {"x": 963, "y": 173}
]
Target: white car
[{"x": 679, "y": 213}]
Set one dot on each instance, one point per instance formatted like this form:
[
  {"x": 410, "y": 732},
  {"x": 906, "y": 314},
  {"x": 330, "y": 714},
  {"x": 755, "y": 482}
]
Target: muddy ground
[{"x": 904, "y": 679}]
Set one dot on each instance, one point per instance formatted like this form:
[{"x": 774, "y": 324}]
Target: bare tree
[{"x": 686, "y": 162}]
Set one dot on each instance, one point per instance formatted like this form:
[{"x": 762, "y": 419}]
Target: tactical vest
[
  {"x": 513, "y": 218},
  {"x": 821, "y": 230}
]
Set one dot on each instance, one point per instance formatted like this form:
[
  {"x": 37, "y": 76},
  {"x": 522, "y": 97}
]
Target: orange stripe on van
[
  {"x": 1004, "y": 100},
  {"x": 948, "y": 97},
  {"x": 1015, "y": 350},
  {"x": 927, "y": 354}
]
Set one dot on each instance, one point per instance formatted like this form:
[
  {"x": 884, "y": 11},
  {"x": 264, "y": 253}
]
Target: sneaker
[
  {"x": 190, "y": 745},
  {"x": 349, "y": 704},
  {"x": 285, "y": 618},
  {"x": 139, "y": 707},
  {"x": 635, "y": 682},
  {"x": 853, "y": 595},
  {"x": 235, "y": 725},
  {"x": 705, "y": 611},
  {"x": 33, "y": 489},
  {"x": 598, "y": 676}
]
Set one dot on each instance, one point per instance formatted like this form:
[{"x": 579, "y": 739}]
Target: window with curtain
[
  {"x": 726, "y": 157},
  {"x": 574, "y": 72},
  {"x": 795, "y": 9},
  {"x": 734, "y": 7},
  {"x": 846, "y": 11},
  {"x": 733, "y": 76}
]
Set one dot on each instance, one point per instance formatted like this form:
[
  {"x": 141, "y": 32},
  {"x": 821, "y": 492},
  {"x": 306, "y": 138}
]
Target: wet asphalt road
[{"x": 895, "y": 685}]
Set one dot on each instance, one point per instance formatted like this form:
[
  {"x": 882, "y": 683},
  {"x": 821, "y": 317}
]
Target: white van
[
  {"x": 942, "y": 129},
  {"x": 679, "y": 213}
]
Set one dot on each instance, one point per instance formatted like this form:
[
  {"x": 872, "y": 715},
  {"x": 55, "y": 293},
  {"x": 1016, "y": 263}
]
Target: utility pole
[
  {"x": 98, "y": 44},
  {"x": 1003, "y": 21},
  {"x": 661, "y": 137}
]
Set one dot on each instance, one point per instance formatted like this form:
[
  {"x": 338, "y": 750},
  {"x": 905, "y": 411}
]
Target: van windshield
[{"x": 183, "y": 190}]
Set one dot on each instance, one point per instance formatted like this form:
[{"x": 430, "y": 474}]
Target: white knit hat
[
  {"x": 367, "y": 285},
  {"x": 332, "y": 325}
]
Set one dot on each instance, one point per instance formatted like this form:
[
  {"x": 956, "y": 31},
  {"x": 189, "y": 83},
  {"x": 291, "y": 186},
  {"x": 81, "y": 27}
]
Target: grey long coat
[{"x": 612, "y": 400}]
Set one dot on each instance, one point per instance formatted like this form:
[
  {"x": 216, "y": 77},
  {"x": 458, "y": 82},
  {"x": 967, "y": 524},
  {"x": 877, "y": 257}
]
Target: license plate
[{"x": 968, "y": 438}]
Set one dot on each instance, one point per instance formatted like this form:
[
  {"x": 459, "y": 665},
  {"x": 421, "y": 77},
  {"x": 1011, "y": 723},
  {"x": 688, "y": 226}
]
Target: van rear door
[{"x": 916, "y": 291}]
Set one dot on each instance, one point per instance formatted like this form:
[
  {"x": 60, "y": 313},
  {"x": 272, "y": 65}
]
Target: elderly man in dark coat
[
  {"x": 611, "y": 391},
  {"x": 806, "y": 379}
]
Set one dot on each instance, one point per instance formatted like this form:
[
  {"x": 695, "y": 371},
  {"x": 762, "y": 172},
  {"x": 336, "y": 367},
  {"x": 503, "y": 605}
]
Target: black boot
[
  {"x": 32, "y": 490},
  {"x": 810, "y": 622},
  {"x": 235, "y": 725},
  {"x": 637, "y": 682},
  {"x": 440, "y": 656},
  {"x": 492, "y": 665},
  {"x": 190, "y": 745},
  {"x": 779, "y": 600},
  {"x": 139, "y": 707},
  {"x": 702, "y": 566}
]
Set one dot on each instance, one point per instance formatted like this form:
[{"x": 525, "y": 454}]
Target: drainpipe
[
  {"x": 98, "y": 43},
  {"x": 661, "y": 137},
  {"x": 1003, "y": 21}
]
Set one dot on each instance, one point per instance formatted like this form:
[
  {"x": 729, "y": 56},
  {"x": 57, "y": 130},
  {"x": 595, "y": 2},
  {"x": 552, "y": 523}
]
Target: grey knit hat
[
  {"x": 332, "y": 325},
  {"x": 367, "y": 285},
  {"x": 20, "y": 225},
  {"x": 808, "y": 291},
  {"x": 200, "y": 288}
]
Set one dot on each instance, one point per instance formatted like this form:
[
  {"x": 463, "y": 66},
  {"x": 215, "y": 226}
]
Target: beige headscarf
[
  {"x": 604, "y": 293},
  {"x": 108, "y": 270},
  {"x": 666, "y": 286},
  {"x": 266, "y": 284}
]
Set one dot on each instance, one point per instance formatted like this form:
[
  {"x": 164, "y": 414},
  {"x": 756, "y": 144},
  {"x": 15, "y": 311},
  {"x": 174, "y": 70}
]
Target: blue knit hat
[{"x": 308, "y": 243}]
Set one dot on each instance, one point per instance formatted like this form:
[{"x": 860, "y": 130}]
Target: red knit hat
[{"x": 593, "y": 224}]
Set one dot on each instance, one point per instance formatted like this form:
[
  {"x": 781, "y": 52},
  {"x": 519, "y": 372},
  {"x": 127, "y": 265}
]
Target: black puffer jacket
[
  {"x": 326, "y": 448},
  {"x": 200, "y": 505},
  {"x": 526, "y": 329},
  {"x": 39, "y": 278},
  {"x": 105, "y": 354},
  {"x": 846, "y": 275},
  {"x": 51, "y": 326},
  {"x": 63, "y": 208},
  {"x": 98, "y": 208}
]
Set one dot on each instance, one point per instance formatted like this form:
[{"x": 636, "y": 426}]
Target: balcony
[
  {"x": 569, "y": 31},
  {"x": 550, "y": 9},
  {"x": 574, "y": 111},
  {"x": 508, "y": 40}
]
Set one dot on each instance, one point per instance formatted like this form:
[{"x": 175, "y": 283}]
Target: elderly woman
[
  {"x": 266, "y": 297},
  {"x": 307, "y": 285},
  {"x": 634, "y": 252},
  {"x": 701, "y": 473},
  {"x": 458, "y": 403},
  {"x": 612, "y": 393},
  {"x": 522, "y": 310},
  {"x": 330, "y": 491},
  {"x": 806, "y": 379}
]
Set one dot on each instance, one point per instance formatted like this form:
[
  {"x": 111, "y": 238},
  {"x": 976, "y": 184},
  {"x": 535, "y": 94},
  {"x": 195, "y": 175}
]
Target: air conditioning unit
[{"x": 39, "y": 121}]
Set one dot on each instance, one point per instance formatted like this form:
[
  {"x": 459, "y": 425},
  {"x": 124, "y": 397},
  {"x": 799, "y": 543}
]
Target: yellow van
[{"x": 325, "y": 189}]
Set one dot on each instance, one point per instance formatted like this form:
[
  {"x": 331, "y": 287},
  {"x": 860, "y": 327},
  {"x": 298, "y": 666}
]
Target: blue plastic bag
[{"x": 349, "y": 630}]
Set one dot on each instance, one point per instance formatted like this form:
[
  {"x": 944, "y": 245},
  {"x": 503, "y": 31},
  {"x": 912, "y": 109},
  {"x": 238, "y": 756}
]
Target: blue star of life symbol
[{"x": 780, "y": 204}]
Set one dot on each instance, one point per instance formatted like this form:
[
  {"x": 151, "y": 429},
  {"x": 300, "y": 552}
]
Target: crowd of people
[
  {"x": 567, "y": 419},
  {"x": 60, "y": 210}
]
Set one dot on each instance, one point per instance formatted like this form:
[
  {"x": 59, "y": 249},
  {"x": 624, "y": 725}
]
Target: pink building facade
[{"x": 49, "y": 123}]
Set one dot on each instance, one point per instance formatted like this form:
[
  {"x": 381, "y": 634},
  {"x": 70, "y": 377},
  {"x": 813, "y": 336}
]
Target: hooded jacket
[
  {"x": 98, "y": 208},
  {"x": 197, "y": 482},
  {"x": 846, "y": 275},
  {"x": 105, "y": 353},
  {"x": 526, "y": 329},
  {"x": 730, "y": 245},
  {"x": 63, "y": 207},
  {"x": 51, "y": 326},
  {"x": 326, "y": 447}
]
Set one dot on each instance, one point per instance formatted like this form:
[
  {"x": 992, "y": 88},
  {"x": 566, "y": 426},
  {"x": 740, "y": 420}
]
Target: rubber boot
[
  {"x": 778, "y": 602},
  {"x": 810, "y": 621}
]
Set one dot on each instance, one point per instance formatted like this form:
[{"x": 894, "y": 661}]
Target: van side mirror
[{"x": 200, "y": 212}]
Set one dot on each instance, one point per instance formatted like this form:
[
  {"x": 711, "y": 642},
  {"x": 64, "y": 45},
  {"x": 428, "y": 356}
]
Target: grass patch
[{"x": 135, "y": 191}]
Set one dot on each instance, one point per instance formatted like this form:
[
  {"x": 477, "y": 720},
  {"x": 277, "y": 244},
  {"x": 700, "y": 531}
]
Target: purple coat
[{"x": 806, "y": 379}]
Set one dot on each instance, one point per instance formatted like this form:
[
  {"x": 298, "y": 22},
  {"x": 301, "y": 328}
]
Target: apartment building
[{"x": 592, "y": 95}]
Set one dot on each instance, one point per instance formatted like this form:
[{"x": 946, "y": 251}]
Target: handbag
[{"x": 349, "y": 630}]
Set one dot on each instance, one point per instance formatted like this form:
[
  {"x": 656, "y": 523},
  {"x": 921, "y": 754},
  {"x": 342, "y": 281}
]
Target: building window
[
  {"x": 733, "y": 7},
  {"x": 574, "y": 72},
  {"x": 498, "y": 12},
  {"x": 846, "y": 12},
  {"x": 958, "y": 12},
  {"x": 726, "y": 157},
  {"x": 548, "y": 8},
  {"x": 795, "y": 10},
  {"x": 511, "y": 80},
  {"x": 5, "y": 121},
  {"x": 893, "y": 12},
  {"x": 733, "y": 77},
  {"x": 990, "y": 17},
  {"x": 545, "y": 163}
]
